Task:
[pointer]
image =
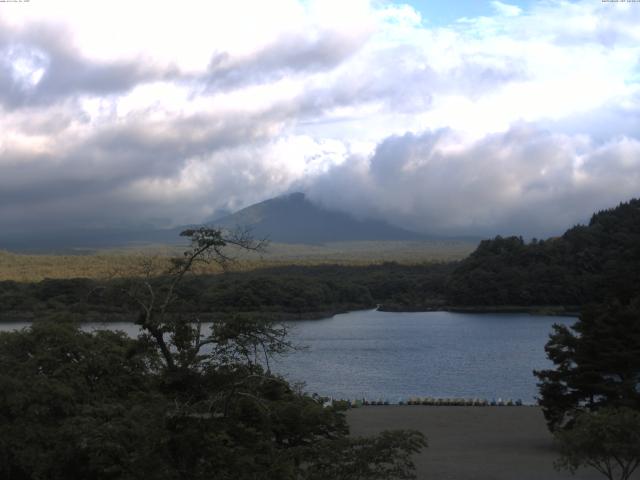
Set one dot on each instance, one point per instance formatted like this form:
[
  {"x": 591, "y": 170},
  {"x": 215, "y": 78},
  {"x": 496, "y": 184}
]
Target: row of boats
[
  {"x": 431, "y": 401},
  {"x": 463, "y": 402}
]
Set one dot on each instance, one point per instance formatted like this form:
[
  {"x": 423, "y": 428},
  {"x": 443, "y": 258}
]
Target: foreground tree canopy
[
  {"x": 597, "y": 363},
  {"x": 591, "y": 399},
  {"x": 175, "y": 403},
  {"x": 607, "y": 440}
]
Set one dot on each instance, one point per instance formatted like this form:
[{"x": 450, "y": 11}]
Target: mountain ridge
[
  {"x": 290, "y": 218},
  {"x": 293, "y": 218}
]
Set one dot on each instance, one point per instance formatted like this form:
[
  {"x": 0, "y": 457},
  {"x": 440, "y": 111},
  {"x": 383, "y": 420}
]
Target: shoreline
[
  {"x": 116, "y": 317},
  {"x": 543, "y": 310},
  {"x": 470, "y": 443}
]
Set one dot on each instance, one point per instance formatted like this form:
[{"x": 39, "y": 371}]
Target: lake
[{"x": 393, "y": 356}]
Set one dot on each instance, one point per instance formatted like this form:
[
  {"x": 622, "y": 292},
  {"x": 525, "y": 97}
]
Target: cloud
[
  {"x": 523, "y": 181},
  {"x": 38, "y": 66},
  {"x": 506, "y": 9},
  {"x": 98, "y": 170},
  {"x": 295, "y": 53},
  {"x": 520, "y": 122}
]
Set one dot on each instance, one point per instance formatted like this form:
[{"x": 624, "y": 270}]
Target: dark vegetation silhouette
[
  {"x": 596, "y": 364},
  {"x": 289, "y": 292},
  {"x": 177, "y": 402},
  {"x": 607, "y": 440},
  {"x": 589, "y": 263},
  {"x": 591, "y": 397}
]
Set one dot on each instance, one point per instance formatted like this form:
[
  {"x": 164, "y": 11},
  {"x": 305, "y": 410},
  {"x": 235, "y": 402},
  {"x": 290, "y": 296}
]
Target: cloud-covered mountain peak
[{"x": 293, "y": 218}]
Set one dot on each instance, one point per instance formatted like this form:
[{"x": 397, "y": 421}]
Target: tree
[
  {"x": 385, "y": 456},
  {"x": 76, "y": 405},
  {"x": 597, "y": 364},
  {"x": 177, "y": 337},
  {"x": 177, "y": 402},
  {"x": 607, "y": 440}
]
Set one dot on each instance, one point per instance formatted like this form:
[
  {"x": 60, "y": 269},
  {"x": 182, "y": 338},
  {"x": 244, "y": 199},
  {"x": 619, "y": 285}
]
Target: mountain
[
  {"x": 294, "y": 219},
  {"x": 286, "y": 219}
]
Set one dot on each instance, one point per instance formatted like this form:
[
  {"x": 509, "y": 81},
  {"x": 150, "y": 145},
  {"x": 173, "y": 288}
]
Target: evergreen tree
[{"x": 597, "y": 363}]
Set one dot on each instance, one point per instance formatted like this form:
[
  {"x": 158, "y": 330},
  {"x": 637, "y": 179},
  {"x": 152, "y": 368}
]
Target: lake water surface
[{"x": 393, "y": 356}]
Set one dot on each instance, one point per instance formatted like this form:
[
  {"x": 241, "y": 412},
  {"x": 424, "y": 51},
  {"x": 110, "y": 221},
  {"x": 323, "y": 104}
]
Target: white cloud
[
  {"x": 506, "y": 9},
  {"x": 523, "y": 181},
  {"x": 27, "y": 66},
  {"x": 183, "y": 108}
]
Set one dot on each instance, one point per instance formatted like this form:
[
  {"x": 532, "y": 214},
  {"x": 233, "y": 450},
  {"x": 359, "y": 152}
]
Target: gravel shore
[{"x": 473, "y": 443}]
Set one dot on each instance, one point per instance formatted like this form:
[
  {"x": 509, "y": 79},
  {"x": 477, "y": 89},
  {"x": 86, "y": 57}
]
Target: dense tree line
[
  {"x": 291, "y": 290},
  {"x": 587, "y": 264}
]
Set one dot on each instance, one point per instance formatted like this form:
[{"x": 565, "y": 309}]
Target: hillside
[
  {"x": 588, "y": 263},
  {"x": 290, "y": 219},
  {"x": 294, "y": 219}
]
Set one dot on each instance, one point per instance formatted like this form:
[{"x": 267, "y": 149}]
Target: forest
[
  {"x": 283, "y": 292},
  {"x": 587, "y": 264}
]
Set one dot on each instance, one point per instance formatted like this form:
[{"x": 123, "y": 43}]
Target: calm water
[
  {"x": 395, "y": 356},
  {"x": 440, "y": 354}
]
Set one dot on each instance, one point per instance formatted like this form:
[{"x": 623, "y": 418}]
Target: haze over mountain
[
  {"x": 294, "y": 219},
  {"x": 285, "y": 219},
  {"x": 68, "y": 240}
]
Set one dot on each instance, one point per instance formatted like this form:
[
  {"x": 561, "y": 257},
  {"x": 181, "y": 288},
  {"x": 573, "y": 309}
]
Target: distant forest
[{"x": 589, "y": 263}]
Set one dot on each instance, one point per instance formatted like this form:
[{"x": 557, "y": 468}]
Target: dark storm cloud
[{"x": 96, "y": 176}]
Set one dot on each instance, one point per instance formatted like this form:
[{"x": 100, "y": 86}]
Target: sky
[{"x": 449, "y": 118}]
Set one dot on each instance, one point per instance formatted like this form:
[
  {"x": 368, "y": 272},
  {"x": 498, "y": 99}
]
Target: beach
[{"x": 473, "y": 443}]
